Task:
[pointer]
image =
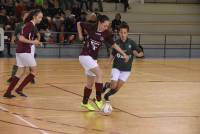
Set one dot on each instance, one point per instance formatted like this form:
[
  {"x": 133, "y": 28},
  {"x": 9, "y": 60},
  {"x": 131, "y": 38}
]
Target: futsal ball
[{"x": 106, "y": 109}]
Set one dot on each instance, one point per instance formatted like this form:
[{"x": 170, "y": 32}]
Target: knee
[
  {"x": 99, "y": 74},
  {"x": 89, "y": 85}
]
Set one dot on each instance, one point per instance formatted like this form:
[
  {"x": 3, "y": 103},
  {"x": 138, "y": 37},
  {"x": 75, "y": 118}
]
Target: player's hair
[
  {"x": 23, "y": 13},
  {"x": 102, "y": 18},
  {"x": 118, "y": 15},
  {"x": 31, "y": 14},
  {"x": 124, "y": 25}
]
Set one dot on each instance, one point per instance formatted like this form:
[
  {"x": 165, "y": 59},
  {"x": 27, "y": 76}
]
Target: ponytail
[{"x": 31, "y": 14}]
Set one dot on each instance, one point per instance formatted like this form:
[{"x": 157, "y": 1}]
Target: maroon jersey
[
  {"x": 94, "y": 39},
  {"x": 29, "y": 32}
]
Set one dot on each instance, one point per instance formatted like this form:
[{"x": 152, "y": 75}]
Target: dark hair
[
  {"x": 102, "y": 18},
  {"x": 124, "y": 25},
  {"x": 118, "y": 15},
  {"x": 31, "y": 14}
]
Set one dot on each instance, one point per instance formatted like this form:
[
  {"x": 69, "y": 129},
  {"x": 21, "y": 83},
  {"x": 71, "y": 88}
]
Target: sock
[
  {"x": 99, "y": 87},
  {"x": 109, "y": 93},
  {"x": 14, "y": 70},
  {"x": 87, "y": 93},
  {"x": 12, "y": 84},
  {"x": 106, "y": 86},
  {"x": 28, "y": 78}
]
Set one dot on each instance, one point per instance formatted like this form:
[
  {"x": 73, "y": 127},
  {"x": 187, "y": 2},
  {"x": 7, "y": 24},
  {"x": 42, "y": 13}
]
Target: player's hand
[
  {"x": 37, "y": 42},
  {"x": 126, "y": 57}
]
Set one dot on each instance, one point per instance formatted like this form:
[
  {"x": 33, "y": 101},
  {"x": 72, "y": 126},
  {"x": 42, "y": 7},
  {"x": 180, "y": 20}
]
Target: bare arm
[
  {"x": 13, "y": 39},
  {"x": 116, "y": 47},
  {"x": 80, "y": 31},
  {"x": 23, "y": 39},
  {"x": 138, "y": 54},
  {"x": 38, "y": 36}
]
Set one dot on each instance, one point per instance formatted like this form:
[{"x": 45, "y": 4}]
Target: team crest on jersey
[{"x": 101, "y": 38}]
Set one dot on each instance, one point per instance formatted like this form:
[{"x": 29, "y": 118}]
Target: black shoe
[
  {"x": 33, "y": 81},
  {"x": 21, "y": 93},
  {"x": 8, "y": 95},
  {"x": 106, "y": 86}
]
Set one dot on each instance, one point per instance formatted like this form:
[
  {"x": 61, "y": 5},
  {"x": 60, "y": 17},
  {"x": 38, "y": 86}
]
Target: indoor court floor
[{"x": 162, "y": 96}]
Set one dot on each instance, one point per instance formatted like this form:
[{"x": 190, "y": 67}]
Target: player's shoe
[
  {"x": 8, "y": 95},
  {"x": 33, "y": 81},
  {"x": 88, "y": 106},
  {"x": 21, "y": 93},
  {"x": 99, "y": 104}
]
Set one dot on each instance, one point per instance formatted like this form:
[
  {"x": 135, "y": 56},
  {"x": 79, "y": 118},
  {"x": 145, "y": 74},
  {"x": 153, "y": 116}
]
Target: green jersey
[{"x": 128, "y": 47}]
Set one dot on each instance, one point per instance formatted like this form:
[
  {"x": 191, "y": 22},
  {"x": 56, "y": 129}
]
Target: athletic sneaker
[
  {"x": 33, "y": 81},
  {"x": 8, "y": 95},
  {"x": 88, "y": 106},
  {"x": 99, "y": 104},
  {"x": 21, "y": 93}
]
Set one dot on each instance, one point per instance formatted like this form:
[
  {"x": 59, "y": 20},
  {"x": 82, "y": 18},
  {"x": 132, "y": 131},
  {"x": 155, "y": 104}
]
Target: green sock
[
  {"x": 109, "y": 93},
  {"x": 14, "y": 70}
]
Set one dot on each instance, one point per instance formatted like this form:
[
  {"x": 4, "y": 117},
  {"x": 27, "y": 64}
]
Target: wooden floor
[{"x": 162, "y": 96}]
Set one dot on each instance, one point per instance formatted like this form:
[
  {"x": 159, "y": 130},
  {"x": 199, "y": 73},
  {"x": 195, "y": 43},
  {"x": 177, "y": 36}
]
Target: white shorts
[
  {"x": 33, "y": 50},
  {"x": 119, "y": 75},
  {"x": 25, "y": 60},
  {"x": 88, "y": 63}
]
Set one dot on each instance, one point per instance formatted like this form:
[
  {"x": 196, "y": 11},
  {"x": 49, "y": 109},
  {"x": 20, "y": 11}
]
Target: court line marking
[
  {"x": 12, "y": 123},
  {"x": 25, "y": 121},
  {"x": 135, "y": 115},
  {"x": 53, "y": 122}
]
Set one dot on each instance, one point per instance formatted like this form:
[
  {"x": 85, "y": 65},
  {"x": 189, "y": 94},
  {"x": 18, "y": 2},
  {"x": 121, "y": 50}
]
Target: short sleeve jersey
[{"x": 94, "y": 39}]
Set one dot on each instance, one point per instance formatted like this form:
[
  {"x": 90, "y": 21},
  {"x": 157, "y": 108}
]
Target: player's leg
[
  {"x": 106, "y": 86},
  {"x": 25, "y": 82},
  {"x": 33, "y": 54},
  {"x": 13, "y": 72},
  {"x": 33, "y": 81},
  {"x": 92, "y": 69},
  {"x": 116, "y": 85},
  {"x": 87, "y": 93},
  {"x": 20, "y": 72},
  {"x": 98, "y": 85},
  {"x": 113, "y": 89},
  {"x": 29, "y": 61}
]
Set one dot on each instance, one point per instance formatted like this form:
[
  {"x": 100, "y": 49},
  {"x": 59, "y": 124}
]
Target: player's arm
[
  {"x": 25, "y": 36},
  {"x": 80, "y": 31},
  {"x": 118, "y": 49},
  {"x": 24, "y": 40},
  {"x": 38, "y": 36},
  {"x": 13, "y": 39},
  {"x": 138, "y": 50},
  {"x": 111, "y": 58},
  {"x": 138, "y": 54}
]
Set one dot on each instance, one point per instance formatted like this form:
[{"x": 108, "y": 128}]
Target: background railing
[{"x": 154, "y": 44}]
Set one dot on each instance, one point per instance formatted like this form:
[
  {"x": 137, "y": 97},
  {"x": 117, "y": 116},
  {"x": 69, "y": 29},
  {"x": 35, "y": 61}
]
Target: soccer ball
[{"x": 106, "y": 109}]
